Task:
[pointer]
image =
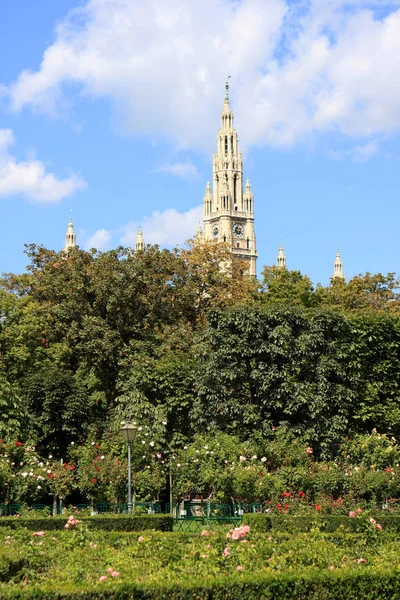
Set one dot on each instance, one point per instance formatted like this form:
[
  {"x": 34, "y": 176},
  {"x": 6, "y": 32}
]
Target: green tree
[{"x": 283, "y": 287}]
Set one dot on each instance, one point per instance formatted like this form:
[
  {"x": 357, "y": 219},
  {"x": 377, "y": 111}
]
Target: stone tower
[
  {"x": 70, "y": 237},
  {"x": 228, "y": 213},
  {"x": 281, "y": 258},
  {"x": 139, "y": 245},
  {"x": 338, "y": 267}
]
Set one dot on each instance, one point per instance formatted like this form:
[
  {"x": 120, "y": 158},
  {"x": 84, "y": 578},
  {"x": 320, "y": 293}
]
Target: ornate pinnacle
[{"x": 227, "y": 89}]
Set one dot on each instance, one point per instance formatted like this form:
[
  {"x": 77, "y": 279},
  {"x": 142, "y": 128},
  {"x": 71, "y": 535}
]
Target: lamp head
[{"x": 129, "y": 432}]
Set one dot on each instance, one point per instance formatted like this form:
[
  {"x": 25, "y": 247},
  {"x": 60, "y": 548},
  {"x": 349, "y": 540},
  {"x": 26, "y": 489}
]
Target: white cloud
[
  {"x": 29, "y": 178},
  {"x": 361, "y": 153},
  {"x": 100, "y": 240},
  {"x": 298, "y": 68},
  {"x": 185, "y": 170},
  {"x": 167, "y": 228}
]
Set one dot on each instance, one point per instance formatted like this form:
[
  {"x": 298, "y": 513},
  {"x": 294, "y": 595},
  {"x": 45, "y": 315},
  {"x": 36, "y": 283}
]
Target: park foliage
[{"x": 199, "y": 356}]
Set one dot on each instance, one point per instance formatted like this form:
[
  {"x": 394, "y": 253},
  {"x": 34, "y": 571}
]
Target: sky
[{"x": 110, "y": 109}]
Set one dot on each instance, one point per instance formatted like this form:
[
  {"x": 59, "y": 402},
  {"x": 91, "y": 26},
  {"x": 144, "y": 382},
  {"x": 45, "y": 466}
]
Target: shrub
[
  {"x": 350, "y": 585},
  {"x": 328, "y": 523},
  {"x": 105, "y": 523}
]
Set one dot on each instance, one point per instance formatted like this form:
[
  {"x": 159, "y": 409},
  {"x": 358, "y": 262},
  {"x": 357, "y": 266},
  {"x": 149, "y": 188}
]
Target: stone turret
[
  {"x": 338, "y": 268},
  {"x": 281, "y": 258},
  {"x": 139, "y": 245},
  {"x": 70, "y": 237}
]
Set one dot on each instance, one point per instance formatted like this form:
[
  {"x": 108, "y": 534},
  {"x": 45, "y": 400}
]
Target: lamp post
[{"x": 129, "y": 432}]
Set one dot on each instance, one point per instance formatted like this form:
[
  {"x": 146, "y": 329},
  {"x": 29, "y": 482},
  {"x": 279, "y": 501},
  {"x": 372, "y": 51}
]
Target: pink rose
[
  {"x": 352, "y": 514},
  {"x": 331, "y": 568},
  {"x": 115, "y": 574},
  {"x": 103, "y": 578},
  {"x": 361, "y": 561},
  {"x": 309, "y": 451},
  {"x": 140, "y": 538},
  {"x": 379, "y": 527},
  {"x": 40, "y": 533},
  {"x": 359, "y": 511},
  {"x": 226, "y": 553},
  {"x": 239, "y": 568}
]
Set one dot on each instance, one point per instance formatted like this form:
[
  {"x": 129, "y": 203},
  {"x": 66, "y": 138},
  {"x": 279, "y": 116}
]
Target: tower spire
[
  {"x": 281, "y": 258},
  {"x": 199, "y": 233},
  {"x": 70, "y": 237},
  {"x": 139, "y": 245},
  {"x": 228, "y": 209},
  {"x": 338, "y": 267},
  {"x": 227, "y": 90}
]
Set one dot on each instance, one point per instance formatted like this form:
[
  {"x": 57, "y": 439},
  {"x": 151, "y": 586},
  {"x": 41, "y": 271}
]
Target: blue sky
[{"x": 111, "y": 108}]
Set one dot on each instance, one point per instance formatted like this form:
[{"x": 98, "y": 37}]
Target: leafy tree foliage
[{"x": 185, "y": 343}]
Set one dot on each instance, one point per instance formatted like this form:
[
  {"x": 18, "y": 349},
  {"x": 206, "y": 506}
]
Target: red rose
[
  {"x": 19, "y": 444},
  {"x": 317, "y": 507},
  {"x": 94, "y": 480},
  {"x": 261, "y": 473},
  {"x": 51, "y": 475}
]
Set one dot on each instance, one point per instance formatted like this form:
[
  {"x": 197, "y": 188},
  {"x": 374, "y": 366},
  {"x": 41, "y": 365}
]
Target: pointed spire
[
  {"x": 139, "y": 245},
  {"x": 208, "y": 189},
  {"x": 338, "y": 267},
  {"x": 227, "y": 90},
  {"x": 199, "y": 233},
  {"x": 248, "y": 198},
  {"x": 70, "y": 236},
  {"x": 281, "y": 258}
]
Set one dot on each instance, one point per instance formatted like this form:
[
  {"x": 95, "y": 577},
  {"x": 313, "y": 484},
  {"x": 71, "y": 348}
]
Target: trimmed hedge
[
  {"x": 366, "y": 584},
  {"x": 104, "y": 523},
  {"x": 328, "y": 523}
]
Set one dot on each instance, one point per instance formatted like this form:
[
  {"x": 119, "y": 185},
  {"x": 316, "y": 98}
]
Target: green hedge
[
  {"x": 329, "y": 523},
  {"x": 366, "y": 584},
  {"x": 105, "y": 523}
]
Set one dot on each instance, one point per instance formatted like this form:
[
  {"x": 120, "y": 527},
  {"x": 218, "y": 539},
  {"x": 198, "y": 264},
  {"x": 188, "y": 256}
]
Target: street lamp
[{"x": 129, "y": 433}]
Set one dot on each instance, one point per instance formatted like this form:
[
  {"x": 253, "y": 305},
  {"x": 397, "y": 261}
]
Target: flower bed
[{"x": 217, "y": 563}]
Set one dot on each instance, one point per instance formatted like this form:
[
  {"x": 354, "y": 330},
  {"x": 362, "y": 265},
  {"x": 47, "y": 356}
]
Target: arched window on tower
[
  {"x": 234, "y": 189},
  {"x": 226, "y": 144},
  {"x": 248, "y": 244},
  {"x": 224, "y": 238},
  {"x": 232, "y": 144}
]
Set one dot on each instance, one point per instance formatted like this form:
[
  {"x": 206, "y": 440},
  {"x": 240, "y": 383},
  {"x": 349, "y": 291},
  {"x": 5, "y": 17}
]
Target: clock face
[
  {"x": 238, "y": 230},
  {"x": 215, "y": 230}
]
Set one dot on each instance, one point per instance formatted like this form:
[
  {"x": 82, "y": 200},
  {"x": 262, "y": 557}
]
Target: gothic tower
[
  {"x": 338, "y": 267},
  {"x": 70, "y": 237},
  {"x": 139, "y": 245},
  {"x": 281, "y": 258},
  {"x": 228, "y": 214}
]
